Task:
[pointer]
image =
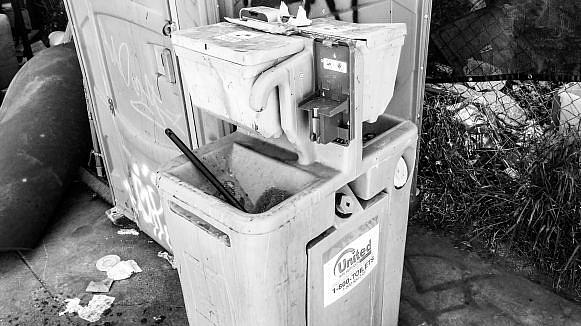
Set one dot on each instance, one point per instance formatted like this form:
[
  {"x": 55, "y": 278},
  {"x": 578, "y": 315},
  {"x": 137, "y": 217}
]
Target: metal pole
[
  {"x": 207, "y": 173},
  {"x": 21, "y": 28}
]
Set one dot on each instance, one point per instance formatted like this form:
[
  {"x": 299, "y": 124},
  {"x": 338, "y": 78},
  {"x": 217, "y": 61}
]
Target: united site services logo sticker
[{"x": 350, "y": 266}]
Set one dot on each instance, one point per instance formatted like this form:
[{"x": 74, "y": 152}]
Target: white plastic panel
[{"x": 131, "y": 75}]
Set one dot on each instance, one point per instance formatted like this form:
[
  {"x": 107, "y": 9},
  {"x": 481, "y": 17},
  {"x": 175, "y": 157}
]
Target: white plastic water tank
[{"x": 8, "y": 62}]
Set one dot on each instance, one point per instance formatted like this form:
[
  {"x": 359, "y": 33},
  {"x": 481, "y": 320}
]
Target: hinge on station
[
  {"x": 98, "y": 159},
  {"x": 169, "y": 28}
]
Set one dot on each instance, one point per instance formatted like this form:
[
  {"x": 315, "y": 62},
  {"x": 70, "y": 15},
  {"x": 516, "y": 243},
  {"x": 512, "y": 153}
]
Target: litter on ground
[
  {"x": 123, "y": 270},
  {"x": 100, "y": 286},
  {"x": 128, "y": 232},
  {"x": 73, "y": 306},
  {"x": 92, "y": 311},
  {"x": 170, "y": 259},
  {"x": 105, "y": 263}
]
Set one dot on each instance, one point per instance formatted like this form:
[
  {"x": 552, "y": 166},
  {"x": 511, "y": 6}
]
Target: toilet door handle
[{"x": 168, "y": 65}]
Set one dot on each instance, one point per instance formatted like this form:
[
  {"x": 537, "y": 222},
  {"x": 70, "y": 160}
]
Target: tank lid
[
  {"x": 373, "y": 34},
  {"x": 238, "y": 44}
]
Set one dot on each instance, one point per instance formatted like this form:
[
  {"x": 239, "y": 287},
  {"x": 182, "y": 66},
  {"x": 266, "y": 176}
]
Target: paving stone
[
  {"x": 423, "y": 243},
  {"x": 441, "y": 300},
  {"x": 429, "y": 272},
  {"x": 525, "y": 301},
  {"x": 449, "y": 286},
  {"x": 407, "y": 283},
  {"x": 474, "y": 316},
  {"x": 409, "y": 316}
]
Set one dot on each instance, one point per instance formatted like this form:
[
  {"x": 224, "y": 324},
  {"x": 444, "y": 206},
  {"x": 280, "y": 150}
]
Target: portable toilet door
[{"x": 133, "y": 83}]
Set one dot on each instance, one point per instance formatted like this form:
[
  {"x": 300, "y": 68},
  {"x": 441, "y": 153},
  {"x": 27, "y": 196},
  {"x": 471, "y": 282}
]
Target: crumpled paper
[
  {"x": 123, "y": 270},
  {"x": 127, "y": 232},
  {"x": 92, "y": 311},
  {"x": 170, "y": 259}
]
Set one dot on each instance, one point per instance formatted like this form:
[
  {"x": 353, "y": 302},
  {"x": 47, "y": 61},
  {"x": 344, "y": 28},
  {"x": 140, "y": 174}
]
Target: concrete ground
[{"x": 442, "y": 285}]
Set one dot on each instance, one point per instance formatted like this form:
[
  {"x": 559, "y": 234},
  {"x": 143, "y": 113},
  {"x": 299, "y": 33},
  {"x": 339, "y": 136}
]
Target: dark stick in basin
[{"x": 207, "y": 173}]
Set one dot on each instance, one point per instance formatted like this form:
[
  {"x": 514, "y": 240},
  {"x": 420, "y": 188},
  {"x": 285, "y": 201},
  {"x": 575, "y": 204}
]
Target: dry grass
[{"x": 534, "y": 210}]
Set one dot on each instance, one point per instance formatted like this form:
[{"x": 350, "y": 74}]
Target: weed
[{"x": 521, "y": 193}]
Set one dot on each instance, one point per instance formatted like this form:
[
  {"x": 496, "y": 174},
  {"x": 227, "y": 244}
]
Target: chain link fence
[{"x": 501, "y": 139}]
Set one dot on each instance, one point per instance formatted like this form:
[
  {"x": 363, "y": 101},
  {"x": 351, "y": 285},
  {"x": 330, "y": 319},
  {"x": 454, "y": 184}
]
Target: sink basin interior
[
  {"x": 258, "y": 181},
  {"x": 373, "y": 131}
]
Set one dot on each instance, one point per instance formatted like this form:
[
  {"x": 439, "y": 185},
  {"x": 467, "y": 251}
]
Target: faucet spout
[{"x": 293, "y": 122}]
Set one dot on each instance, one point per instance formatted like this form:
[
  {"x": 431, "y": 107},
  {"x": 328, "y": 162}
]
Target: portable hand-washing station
[{"x": 321, "y": 170}]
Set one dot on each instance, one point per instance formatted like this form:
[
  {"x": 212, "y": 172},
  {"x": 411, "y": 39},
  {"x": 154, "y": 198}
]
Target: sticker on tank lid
[
  {"x": 335, "y": 65},
  {"x": 237, "y": 36},
  {"x": 343, "y": 272}
]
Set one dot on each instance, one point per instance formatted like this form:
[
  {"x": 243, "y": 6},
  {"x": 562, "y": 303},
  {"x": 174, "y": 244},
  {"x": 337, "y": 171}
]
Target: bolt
[{"x": 344, "y": 205}]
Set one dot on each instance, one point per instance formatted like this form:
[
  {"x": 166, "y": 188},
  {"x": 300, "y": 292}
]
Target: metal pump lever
[{"x": 207, "y": 173}]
